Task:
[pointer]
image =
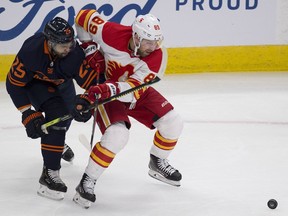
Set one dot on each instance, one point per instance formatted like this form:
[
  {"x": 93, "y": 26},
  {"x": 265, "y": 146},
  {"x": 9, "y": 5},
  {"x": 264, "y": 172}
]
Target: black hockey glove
[
  {"x": 32, "y": 121},
  {"x": 81, "y": 104}
]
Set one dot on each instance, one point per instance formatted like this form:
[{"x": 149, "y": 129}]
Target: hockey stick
[
  {"x": 84, "y": 141},
  {"x": 94, "y": 122},
  {"x": 92, "y": 106},
  {"x": 95, "y": 109}
]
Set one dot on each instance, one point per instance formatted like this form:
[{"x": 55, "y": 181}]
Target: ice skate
[
  {"x": 85, "y": 192},
  {"x": 51, "y": 185},
  {"x": 161, "y": 170},
  {"x": 68, "y": 154}
]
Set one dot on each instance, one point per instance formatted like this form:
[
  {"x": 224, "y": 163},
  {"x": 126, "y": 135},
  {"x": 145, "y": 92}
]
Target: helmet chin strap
[{"x": 135, "y": 46}]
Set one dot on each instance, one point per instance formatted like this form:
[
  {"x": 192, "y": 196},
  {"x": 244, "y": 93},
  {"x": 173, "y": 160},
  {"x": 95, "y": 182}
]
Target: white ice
[{"x": 233, "y": 155}]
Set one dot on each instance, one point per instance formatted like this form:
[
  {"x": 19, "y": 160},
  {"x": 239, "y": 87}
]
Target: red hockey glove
[
  {"x": 93, "y": 56},
  {"x": 103, "y": 91},
  {"x": 32, "y": 121}
]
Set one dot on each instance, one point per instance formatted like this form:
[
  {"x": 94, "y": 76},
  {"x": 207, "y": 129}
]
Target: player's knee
[
  {"x": 115, "y": 137},
  {"x": 170, "y": 125}
]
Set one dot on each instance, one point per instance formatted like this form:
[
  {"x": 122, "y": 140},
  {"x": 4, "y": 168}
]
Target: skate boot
[
  {"x": 85, "y": 192},
  {"x": 161, "y": 170},
  {"x": 68, "y": 154},
  {"x": 51, "y": 185}
]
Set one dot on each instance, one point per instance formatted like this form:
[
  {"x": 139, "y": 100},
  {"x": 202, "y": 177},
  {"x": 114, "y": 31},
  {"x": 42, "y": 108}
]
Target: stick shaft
[{"x": 96, "y": 104}]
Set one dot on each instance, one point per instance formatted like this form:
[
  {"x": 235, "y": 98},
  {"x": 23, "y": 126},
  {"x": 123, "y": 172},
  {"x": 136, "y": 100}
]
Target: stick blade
[{"x": 84, "y": 141}]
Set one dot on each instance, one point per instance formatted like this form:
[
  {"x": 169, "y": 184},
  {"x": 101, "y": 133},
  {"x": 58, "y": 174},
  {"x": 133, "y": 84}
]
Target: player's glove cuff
[{"x": 33, "y": 121}]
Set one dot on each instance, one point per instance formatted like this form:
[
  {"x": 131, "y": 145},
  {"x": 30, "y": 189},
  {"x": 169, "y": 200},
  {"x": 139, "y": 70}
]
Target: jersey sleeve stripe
[
  {"x": 15, "y": 82},
  {"x": 89, "y": 80},
  {"x": 23, "y": 107},
  {"x": 83, "y": 17}
]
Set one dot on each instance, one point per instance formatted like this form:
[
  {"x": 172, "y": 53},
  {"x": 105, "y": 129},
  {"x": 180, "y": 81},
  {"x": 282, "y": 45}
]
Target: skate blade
[
  {"x": 161, "y": 178},
  {"x": 81, "y": 201},
  {"x": 44, "y": 191}
]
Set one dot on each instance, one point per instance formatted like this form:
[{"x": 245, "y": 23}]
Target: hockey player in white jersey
[{"x": 133, "y": 55}]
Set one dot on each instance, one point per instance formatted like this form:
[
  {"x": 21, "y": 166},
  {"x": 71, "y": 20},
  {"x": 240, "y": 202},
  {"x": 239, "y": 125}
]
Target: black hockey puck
[{"x": 272, "y": 204}]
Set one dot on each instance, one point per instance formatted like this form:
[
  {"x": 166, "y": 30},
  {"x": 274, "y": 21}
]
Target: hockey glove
[
  {"x": 93, "y": 56},
  {"x": 81, "y": 104},
  {"x": 32, "y": 121},
  {"x": 103, "y": 91}
]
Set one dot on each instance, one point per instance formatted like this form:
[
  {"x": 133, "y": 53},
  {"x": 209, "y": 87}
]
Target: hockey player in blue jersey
[{"x": 40, "y": 84}]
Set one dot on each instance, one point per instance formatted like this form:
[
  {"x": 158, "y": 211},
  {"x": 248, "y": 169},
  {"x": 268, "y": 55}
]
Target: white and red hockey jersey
[{"x": 121, "y": 65}]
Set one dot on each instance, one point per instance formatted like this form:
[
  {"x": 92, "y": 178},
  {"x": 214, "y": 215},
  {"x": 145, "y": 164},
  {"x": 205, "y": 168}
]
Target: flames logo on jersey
[{"x": 116, "y": 72}]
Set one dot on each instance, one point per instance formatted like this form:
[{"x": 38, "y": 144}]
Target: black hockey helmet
[{"x": 58, "y": 30}]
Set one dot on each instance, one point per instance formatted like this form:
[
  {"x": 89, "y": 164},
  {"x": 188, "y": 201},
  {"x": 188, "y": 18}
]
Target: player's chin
[
  {"x": 144, "y": 54},
  {"x": 62, "y": 55}
]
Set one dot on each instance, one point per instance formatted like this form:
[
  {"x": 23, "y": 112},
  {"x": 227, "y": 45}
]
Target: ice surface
[{"x": 233, "y": 155}]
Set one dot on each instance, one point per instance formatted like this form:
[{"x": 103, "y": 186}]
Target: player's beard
[
  {"x": 143, "y": 53},
  {"x": 60, "y": 54}
]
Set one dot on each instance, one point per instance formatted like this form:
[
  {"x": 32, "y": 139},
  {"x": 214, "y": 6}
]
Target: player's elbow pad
[{"x": 82, "y": 34}]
